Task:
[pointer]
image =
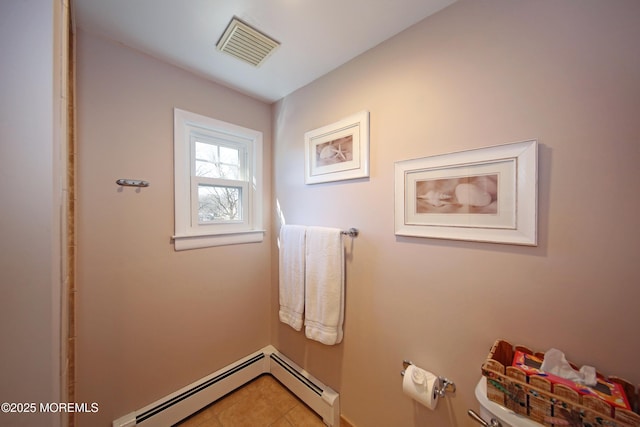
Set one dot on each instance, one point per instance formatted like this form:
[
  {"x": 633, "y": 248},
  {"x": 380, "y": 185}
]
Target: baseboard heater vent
[{"x": 190, "y": 399}]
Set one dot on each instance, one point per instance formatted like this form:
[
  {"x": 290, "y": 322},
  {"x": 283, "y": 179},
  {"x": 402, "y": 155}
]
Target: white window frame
[{"x": 189, "y": 232}]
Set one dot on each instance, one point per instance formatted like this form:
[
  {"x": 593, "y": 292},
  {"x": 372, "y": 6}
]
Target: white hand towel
[
  {"x": 324, "y": 285},
  {"x": 291, "y": 282}
]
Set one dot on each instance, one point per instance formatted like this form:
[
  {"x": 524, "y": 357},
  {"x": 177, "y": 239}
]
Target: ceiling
[{"x": 316, "y": 36}]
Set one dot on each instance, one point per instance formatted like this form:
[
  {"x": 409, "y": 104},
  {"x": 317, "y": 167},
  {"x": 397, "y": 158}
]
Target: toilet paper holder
[{"x": 445, "y": 385}]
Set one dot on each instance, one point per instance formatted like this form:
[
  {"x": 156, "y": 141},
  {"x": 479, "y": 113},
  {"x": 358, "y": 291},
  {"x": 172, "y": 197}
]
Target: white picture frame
[
  {"x": 486, "y": 195},
  {"x": 339, "y": 151}
]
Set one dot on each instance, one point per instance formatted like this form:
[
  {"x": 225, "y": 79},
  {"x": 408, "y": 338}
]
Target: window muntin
[{"x": 214, "y": 159}]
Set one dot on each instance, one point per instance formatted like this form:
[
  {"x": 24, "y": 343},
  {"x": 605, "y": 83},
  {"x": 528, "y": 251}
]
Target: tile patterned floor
[{"x": 263, "y": 402}]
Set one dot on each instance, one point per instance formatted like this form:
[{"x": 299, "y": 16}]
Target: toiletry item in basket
[
  {"x": 556, "y": 363},
  {"x": 610, "y": 392}
]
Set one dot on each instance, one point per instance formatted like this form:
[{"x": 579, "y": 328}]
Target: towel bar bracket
[{"x": 352, "y": 232}]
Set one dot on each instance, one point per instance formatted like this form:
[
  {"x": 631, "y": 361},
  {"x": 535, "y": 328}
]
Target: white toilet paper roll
[{"x": 421, "y": 386}]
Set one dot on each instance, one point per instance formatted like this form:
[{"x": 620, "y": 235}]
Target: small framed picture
[
  {"x": 338, "y": 151},
  {"x": 487, "y": 194}
]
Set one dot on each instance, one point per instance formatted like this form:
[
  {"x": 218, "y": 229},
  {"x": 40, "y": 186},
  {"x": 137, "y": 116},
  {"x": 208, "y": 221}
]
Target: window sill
[{"x": 182, "y": 243}]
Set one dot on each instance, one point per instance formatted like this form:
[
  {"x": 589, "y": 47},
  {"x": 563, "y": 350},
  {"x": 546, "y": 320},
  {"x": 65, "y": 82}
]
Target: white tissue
[
  {"x": 555, "y": 363},
  {"x": 421, "y": 386}
]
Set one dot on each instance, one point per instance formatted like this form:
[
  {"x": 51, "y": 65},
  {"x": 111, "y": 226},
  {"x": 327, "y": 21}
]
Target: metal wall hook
[{"x": 132, "y": 183}]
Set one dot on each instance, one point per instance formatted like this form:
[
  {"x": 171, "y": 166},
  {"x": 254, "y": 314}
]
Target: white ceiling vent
[{"x": 246, "y": 43}]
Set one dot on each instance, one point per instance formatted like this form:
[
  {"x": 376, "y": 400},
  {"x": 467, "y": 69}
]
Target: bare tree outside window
[{"x": 219, "y": 203}]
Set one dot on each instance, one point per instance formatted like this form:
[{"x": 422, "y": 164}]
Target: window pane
[
  {"x": 219, "y": 203},
  {"x": 207, "y": 152},
  {"x": 229, "y": 171},
  {"x": 229, "y": 163},
  {"x": 207, "y": 160},
  {"x": 206, "y": 169},
  {"x": 217, "y": 161},
  {"x": 229, "y": 155}
]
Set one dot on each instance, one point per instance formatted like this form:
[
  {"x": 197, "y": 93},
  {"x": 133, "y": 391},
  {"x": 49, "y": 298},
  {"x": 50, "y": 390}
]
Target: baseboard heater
[{"x": 190, "y": 399}]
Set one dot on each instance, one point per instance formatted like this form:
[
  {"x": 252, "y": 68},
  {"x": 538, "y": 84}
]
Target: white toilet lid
[{"x": 504, "y": 415}]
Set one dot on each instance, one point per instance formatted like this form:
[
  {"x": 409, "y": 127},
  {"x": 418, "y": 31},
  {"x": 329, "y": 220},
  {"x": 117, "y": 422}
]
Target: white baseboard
[{"x": 190, "y": 399}]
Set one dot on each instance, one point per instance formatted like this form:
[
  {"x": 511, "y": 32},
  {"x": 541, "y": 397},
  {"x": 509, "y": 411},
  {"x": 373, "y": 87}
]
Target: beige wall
[
  {"x": 474, "y": 75},
  {"x": 152, "y": 320},
  {"x": 31, "y": 202}
]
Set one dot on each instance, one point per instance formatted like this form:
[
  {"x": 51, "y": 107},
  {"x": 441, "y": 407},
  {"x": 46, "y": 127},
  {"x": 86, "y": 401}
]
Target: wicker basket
[{"x": 532, "y": 396}]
